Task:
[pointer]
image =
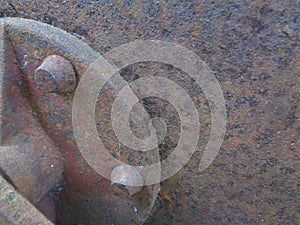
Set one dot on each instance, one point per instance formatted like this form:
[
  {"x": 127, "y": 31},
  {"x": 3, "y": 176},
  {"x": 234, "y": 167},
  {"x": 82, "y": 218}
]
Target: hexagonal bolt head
[
  {"x": 123, "y": 175},
  {"x": 56, "y": 74}
]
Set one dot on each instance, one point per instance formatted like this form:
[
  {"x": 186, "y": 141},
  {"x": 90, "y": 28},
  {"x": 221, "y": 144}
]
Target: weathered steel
[
  {"x": 15, "y": 209},
  {"x": 56, "y": 74},
  {"x": 120, "y": 176},
  {"x": 29, "y": 159},
  {"x": 253, "y": 49},
  {"x": 33, "y": 42}
]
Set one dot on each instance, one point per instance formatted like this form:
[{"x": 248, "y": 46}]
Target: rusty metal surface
[
  {"x": 18, "y": 209},
  {"x": 252, "y": 47},
  {"x": 80, "y": 182},
  {"x": 56, "y": 74},
  {"x": 29, "y": 159}
]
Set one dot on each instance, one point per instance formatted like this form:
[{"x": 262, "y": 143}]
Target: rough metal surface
[
  {"x": 82, "y": 189},
  {"x": 18, "y": 209},
  {"x": 29, "y": 159},
  {"x": 253, "y": 48},
  {"x": 56, "y": 74}
]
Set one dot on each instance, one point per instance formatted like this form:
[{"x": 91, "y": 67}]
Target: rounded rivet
[
  {"x": 124, "y": 175},
  {"x": 56, "y": 74}
]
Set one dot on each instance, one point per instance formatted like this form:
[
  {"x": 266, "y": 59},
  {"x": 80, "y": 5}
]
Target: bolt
[
  {"x": 126, "y": 180},
  {"x": 56, "y": 74}
]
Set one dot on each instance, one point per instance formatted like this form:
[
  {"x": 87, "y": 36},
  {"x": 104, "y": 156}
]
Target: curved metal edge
[
  {"x": 59, "y": 41},
  {"x": 45, "y": 36}
]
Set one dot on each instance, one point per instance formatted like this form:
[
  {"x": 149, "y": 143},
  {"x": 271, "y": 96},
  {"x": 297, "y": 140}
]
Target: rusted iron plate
[
  {"x": 29, "y": 159},
  {"x": 253, "y": 48},
  {"x": 33, "y": 42}
]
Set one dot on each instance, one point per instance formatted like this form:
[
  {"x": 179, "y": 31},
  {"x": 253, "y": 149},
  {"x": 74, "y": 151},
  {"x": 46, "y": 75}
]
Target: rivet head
[
  {"x": 56, "y": 74},
  {"x": 123, "y": 175}
]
